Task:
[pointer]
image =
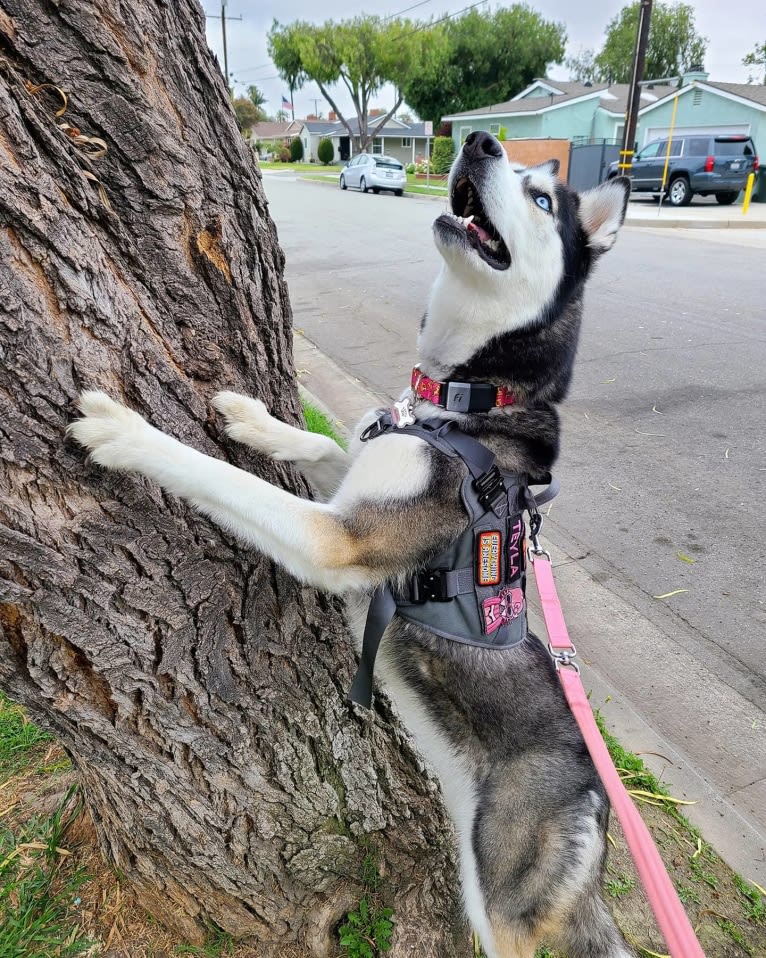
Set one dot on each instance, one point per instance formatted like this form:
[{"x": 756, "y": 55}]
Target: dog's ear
[
  {"x": 549, "y": 166},
  {"x": 602, "y": 212}
]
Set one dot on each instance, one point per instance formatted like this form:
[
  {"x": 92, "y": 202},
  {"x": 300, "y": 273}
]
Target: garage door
[{"x": 655, "y": 132}]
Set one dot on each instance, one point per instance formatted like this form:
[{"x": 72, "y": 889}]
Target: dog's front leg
[
  {"x": 307, "y": 538},
  {"x": 320, "y": 460}
]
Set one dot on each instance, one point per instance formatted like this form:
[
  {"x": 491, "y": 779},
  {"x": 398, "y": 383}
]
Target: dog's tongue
[{"x": 483, "y": 234}]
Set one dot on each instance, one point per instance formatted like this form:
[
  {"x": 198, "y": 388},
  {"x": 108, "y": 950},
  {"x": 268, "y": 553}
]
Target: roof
[
  {"x": 268, "y": 130},
  {"x": 400, "y": 129},
  {"x": 615, "y": 100},
  {"x": 751, "y": 94},
  {"x": 748, "y": 91},
  {"x": 557, "y": 87},
  {"x": 533, "y": 104},
  {"x": 321, "y": 126}
]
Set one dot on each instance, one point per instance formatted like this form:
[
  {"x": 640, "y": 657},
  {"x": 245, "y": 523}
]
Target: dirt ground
[{"x": 106, "y": 919}]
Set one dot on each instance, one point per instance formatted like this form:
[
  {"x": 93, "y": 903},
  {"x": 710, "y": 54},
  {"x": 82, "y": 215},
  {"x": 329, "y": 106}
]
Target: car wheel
[
  {"x": 679, "y": 192},
  {"x": 363, "y": 185},
  {"x": 398, "y": 192},
  {"x": 726, "y": 199},
  {"x": 343, "y": 183}
]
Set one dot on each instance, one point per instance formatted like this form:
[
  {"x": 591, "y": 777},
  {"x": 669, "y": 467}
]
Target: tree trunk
[{"x": 199, "y": 689}]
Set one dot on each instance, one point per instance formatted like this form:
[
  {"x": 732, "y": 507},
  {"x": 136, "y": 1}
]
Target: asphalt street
[{"x": 662, "y": 466}]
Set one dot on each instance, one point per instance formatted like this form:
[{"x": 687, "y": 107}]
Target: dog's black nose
[{"x": 480, "y": 145}]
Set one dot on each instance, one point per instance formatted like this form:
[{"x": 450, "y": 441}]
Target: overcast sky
[{"x": 732, "y": 27}]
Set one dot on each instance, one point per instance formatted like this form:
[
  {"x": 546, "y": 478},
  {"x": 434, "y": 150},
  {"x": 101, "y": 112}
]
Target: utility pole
[
  {"x": 316, "y": 100},
  {"x": 634, "y": 96},
  {"x": 222, "y": 18}
]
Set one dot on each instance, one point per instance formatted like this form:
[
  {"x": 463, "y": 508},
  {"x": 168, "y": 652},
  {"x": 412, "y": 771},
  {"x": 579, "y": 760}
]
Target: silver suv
[{"x": 699, "y": 163}]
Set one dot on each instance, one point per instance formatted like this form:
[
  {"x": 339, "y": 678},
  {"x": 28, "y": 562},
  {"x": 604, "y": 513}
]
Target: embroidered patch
[
  {"x": 489, "y": 553},
  {"x": 504, "y": 607},
  {"x": 515, "y": 551}
]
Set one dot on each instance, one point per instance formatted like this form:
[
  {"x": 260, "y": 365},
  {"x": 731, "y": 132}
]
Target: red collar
[{"x": 460, "y": 397}]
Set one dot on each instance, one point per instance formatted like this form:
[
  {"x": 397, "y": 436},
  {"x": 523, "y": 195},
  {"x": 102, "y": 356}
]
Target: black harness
[{"x": 474, "y": 591}]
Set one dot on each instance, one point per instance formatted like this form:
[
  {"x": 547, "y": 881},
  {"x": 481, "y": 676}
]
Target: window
[
  {"x": 377, "y": 146},
  {"x": 650, "y": 151},
  {"x": 697, "y": 145},
  {"x": 465, "y": 132},
  {"x": 494, "y": 129},
  {"x": 406, "y": 141}
]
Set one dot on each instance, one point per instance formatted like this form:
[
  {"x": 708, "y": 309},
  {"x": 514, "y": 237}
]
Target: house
[
  {"x": 316, "y": 131},
  {"x": 274, "y": 135},
  {"x": 704, "y": 106},
  {"x": 595, "y": 113},
  {"x": 584, "y": 112},
  {"x": 404, "y": 141}
]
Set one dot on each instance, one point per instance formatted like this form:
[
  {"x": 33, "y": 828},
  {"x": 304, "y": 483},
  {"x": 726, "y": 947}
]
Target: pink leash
[{"x": 668, "y": 910}]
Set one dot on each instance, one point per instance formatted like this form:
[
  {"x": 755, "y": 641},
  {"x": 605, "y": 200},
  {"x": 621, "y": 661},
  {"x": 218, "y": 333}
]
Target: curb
[{"x": 737, "y": 838}]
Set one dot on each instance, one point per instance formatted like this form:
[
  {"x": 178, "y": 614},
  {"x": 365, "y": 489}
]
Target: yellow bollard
[{"x": 748, "y": 193}]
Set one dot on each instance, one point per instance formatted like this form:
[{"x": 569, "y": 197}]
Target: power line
[
  {"x": 406, "y": 10},
  {"x": 433, "y": 23}
]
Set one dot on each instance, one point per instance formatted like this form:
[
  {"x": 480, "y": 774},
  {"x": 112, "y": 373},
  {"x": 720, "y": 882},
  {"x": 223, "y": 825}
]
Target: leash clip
[
  {"x": 564, "y": 658},
  {"x": 535, "y": 525}
]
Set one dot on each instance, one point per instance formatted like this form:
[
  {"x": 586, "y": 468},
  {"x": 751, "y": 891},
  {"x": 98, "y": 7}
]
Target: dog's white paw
[
  {"x": 115, "y": 436},
  {"x": 248, "y": 421}
]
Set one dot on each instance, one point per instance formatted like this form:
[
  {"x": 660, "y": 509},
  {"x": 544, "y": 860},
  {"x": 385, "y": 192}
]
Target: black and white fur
[{"x": 530, "y": 812}]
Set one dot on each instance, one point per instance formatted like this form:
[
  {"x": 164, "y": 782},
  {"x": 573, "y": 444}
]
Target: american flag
[{"x": 286, "y": 104}]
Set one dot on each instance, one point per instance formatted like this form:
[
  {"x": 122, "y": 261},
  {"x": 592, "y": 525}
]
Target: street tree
[
  {"x": 198, "y": 688},
  {"x": 257, "y": 98},
  {"x": 481, "y": 58},
  {"x": 674, "y": 44},
  {"x": 247, "y": 113},
  {"x": 757, "y": 58},
  {"x": 362, "y": 54},
  {"x": 582, "y": 67}
]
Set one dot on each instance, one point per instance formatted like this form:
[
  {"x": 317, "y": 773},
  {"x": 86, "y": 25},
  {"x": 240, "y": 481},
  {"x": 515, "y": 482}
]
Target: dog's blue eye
[{"x": 544, "y": 202}]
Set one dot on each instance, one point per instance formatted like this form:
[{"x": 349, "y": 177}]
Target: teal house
[{"x": 594, "y": 113}]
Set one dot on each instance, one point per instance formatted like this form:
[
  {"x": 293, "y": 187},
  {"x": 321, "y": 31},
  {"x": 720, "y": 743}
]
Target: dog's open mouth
[{"x": 468, "y": 213}]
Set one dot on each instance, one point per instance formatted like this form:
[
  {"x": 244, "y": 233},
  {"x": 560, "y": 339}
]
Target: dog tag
[{"x": 401, "y": 413}]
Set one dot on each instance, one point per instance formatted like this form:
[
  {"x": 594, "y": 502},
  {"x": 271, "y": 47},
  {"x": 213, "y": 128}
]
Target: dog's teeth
[{"x": 468, "y": 220}]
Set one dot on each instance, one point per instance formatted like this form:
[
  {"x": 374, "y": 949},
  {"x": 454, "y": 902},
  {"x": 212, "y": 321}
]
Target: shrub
[
  {"x": 423, "y": 167},
  {"x": 410, "y": 168},
  {"x": 326, "y": 151},
  {"x": 503, "y": 133},
  {"x": 445, "y": 129},
  {"x": 296, "y": 150},
  {"x": 284, "y": 154},
  {"x": 444, "y": 154}
]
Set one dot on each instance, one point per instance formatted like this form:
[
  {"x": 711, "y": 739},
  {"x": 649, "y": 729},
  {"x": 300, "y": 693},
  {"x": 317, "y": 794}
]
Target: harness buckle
[
  {"x": 429, "y": 586},
  {"x": 375, "y": 429},
  {"x": 490, "y": 488},
  {"x": 535, "y": 525}
]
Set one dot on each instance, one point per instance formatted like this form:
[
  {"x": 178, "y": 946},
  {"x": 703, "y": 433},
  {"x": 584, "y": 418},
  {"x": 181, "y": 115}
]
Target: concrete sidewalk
[
  {"x": 630, "y": 665},
  {"x": 702, "y": 213}
]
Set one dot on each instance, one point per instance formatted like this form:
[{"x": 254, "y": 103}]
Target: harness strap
[{"x": 382, "y": 609}]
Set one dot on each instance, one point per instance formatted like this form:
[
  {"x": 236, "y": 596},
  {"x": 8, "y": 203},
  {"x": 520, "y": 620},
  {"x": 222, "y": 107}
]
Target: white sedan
[{"x": 367, "y": 172}]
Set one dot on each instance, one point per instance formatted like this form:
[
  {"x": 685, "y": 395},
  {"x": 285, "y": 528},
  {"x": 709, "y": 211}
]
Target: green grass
[
  {"x": 618, "y": 887},
  {"x": 38, "y": 889},
  {"x": 217, "y": 944},
  {"x": 367, "y": 930},
  {"x": 318, "y": 422},
  {"x": 300, "y": 167},
  {"x": 18, "y": 736}
]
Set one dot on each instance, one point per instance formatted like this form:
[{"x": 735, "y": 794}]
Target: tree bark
[{"x": 199, "y": 689}]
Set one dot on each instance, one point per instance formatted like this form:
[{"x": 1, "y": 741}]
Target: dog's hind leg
[
  {"x": 318, "y": 458},
  {"x": 590, "y": 931}
]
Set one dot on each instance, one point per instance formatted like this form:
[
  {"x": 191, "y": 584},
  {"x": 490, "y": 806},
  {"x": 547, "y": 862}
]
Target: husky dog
[{"x": 530, "y": 812}]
